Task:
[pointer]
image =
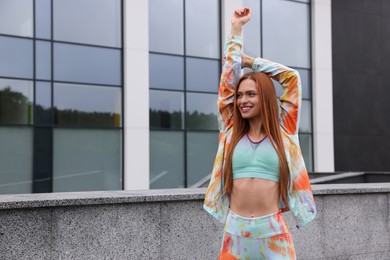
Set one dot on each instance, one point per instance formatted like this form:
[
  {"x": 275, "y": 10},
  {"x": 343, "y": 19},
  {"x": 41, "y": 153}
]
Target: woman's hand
[{"x": 240, "y": 18}]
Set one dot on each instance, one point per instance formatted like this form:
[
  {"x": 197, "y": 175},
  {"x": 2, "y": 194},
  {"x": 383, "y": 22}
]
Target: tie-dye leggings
[{"x": 266, "y": 237}]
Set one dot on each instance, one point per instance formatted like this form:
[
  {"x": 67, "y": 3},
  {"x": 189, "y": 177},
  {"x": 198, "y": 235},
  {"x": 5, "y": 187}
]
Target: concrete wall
[{"x": 353, "y": 222}]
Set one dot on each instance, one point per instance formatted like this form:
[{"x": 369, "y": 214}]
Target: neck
[{"x": 255, "y": 127}]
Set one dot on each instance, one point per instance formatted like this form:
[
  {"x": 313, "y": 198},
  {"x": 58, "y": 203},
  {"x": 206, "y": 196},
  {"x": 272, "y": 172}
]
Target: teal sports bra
[{"x": 255, "y": 160}]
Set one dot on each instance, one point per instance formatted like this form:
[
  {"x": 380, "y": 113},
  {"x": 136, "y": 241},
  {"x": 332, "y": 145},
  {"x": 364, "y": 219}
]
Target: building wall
[{"x": 361, "y": 64}]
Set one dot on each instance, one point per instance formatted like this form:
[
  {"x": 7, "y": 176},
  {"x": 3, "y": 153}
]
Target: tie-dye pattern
[
  {"x": 300, "y": 197},
  {"x": 266, "y": 237}
]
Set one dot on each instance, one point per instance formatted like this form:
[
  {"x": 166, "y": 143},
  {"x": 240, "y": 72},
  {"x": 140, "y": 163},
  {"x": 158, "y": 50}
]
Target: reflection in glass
[
  {"x": 202, "y": 74},
  {"x": 16, "y": 17},
  {"x": 16, "y": 160},
  {"x": 252, "y": 46},
  {"x": 166, "y": 26},
  {"x": 42, "y": 159},
  {"x": 102, "y": 27},
  {"x": 42, "y": 103},
  {"x": 87, "y": 64},
  {"x": 43, "y": 60},
  {"x": 202, "y": 111},
  {"x": 305, "y": 122},
  {"x": 43, "y": 19},
  {"x": 166, "y": 71},
  {"x": 87, "y": 105},
  {"x": 305, "y": 141},
  {"x": 166, "y": 159},
  {"x": 306, "y": 82},
  {"x": 16, "y": 57},
  {"x": 201, "y": 150},
  {"x": 296, "y": 50},
  {"x": 16, "y": 100},
  {"x": 166, "y": 109},
  {"x": 202, "y": 31},
  {"x": 87, "y": 159}
]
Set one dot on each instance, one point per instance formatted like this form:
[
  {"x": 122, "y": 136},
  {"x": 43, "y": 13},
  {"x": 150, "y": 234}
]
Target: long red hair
[{"x": 269, "y": 115}]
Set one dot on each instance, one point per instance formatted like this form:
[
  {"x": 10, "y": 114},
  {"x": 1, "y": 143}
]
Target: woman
[{"x": 259, "y": 170}]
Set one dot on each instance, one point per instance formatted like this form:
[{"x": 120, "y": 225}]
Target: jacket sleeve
[
  {"x": 290, "y": 100},
  {"x": 231, "y": 73}
]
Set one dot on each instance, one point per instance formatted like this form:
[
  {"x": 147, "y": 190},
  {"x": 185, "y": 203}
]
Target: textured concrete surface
[{"x": 353, "y": 222}]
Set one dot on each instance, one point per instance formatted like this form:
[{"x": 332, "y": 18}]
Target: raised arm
[
  {"x": 231, "y": 71},
  {"x": 291, "y": 99}
]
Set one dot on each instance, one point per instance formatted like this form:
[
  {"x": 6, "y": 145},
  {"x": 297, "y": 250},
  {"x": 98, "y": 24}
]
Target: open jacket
[{"x": 299, "y": 196}]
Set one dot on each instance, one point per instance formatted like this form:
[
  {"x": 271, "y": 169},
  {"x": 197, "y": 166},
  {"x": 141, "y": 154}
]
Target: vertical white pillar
[
  {"x": 136, "y": 95},
  {"x": 322, "y": 86}
]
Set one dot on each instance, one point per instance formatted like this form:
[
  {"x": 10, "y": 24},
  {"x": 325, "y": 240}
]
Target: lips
[{"x": 245, "y": 109}]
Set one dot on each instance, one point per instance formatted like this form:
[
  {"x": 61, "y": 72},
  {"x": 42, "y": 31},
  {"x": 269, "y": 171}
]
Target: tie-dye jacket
[{"x": 300, "y": 198}]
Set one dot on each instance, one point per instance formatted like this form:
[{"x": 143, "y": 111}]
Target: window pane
[
  {"x": 202, "y": 111},
  {"x": 43, "y": 60},
  {"x": 305, "y": 122},
  {"x": 166, "y": 71},
  {"x": 16, "y": 57},
  {"x": 16, "y": 17},
  {"x": 202, "y": 75},
  {"x": 166, "y": 109},
  {"x": 296, "y": 50},
  {"x": 42, "y": 159},
  {"x": 252, "y": 30},
  {"x": 202, "y": 28},
  {"x": 87, "y": 160},
  {"x": 201, "y": 151},
  {"x": 16, "y": 160},
  {"x": 43, "y": 103},
  {"x": 166, "y": 159},
  {"x": 87, "y": 64},
  {"x": 166, "y": 26},
  {"x": 306, "y": 82},
  {"x": 43, "y": 19},
  {"x": 307, "y": 146},
  {"x": 16, "y": 99},
  {"x": 89, "y": 21},
  {"x": 103, "y": 106}
]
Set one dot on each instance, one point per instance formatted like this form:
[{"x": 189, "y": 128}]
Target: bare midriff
[{"x": 253, "y": 197}]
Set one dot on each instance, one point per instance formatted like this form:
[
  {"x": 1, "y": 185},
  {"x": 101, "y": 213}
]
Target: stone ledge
[{"x": 15, "y": 201}]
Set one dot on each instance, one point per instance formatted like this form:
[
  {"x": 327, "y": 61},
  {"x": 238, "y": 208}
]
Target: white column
[
  {"x": 136, "y": 95},
  {"x": 228, "y": 7},
  {"x": 322, "y": 86}
]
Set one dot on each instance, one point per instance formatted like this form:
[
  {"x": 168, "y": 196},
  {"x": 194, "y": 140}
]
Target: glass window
[
  {"x": 306, "y": 83},
  {"x": 166, "y": 109},
  {"x": 87, "y": 159},
  {"x": 43, "y": 60},
  {"x": 95, "y": 22},
  {"x": 167, "y": 17},
  {"x": 202, "y": 74},
  {"x": 305, "y": 121},
  {"x": 16, "y": 99},
  {"x": 201, "y": 151},
  {"x": 281, "y": 44},
  {"x": 166, "y": 71},
  {"x": 87, "y": 64},
  {"x": 43, "y": 19},
  {"x": 305, "y": 141},
  {"x": 202, "y": 111},
  {"x": 16, "y": 17},
  {"x": 42, "y": 159},
  {"x": 103, "y": 106},
  {"x": 202, "y": 28},
  {"x": 166, "y": 159},
  {"x": 42, "y": 103},
  {"x": 16, "y": 160},
  {"x": 16, "y": 57},
  {"x": 252, "y": 30}
]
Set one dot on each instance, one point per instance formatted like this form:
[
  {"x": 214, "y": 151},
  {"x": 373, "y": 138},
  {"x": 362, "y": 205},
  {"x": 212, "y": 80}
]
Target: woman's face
[{"x": 248, "y": 99}]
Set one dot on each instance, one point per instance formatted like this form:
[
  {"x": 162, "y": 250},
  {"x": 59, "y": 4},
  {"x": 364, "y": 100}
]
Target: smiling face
[{"x": 248, "y": 99}]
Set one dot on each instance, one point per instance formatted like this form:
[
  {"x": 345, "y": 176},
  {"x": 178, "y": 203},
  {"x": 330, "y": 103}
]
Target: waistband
[{"x": 259, "y": 227}]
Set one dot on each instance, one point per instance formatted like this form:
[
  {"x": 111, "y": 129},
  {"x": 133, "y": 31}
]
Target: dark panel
[{"x": 42, "y": 160}]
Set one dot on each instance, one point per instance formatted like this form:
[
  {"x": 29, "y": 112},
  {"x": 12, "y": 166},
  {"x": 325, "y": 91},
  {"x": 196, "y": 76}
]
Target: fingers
[{"x": 243, "y": 11}]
